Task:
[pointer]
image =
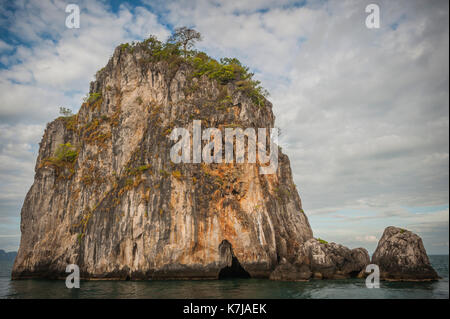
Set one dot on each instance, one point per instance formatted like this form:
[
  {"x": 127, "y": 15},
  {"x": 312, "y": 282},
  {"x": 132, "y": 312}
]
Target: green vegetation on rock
[
  {"x": 66, "y": 153},
  {"x": 92, "y": 97},
  {"x": 177, "y": 53},
  {"x": 63, "y": 159}
]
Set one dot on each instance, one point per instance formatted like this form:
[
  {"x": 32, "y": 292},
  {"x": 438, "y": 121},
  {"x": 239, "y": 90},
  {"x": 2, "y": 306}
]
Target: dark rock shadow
[{"x": 235, "y": 270}]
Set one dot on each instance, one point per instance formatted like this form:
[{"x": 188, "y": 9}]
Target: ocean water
[{"x": 233, "y": 288}]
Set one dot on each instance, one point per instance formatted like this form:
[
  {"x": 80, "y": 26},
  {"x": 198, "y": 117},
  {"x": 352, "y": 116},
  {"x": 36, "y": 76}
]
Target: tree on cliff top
[
  {"x": 66, "y": 112},
  {"x": 178, "y": 50},
  {"x": 186, "y": 37}
]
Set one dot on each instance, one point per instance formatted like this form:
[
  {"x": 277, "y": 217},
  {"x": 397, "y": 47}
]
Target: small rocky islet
[{"x": 107, "y": 197}]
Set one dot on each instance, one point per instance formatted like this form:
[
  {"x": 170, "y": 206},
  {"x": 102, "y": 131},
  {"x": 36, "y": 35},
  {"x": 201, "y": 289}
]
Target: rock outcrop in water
[
  {"x": 401, "y": 256},
  {"x": 107, "y": 197},
  {"x": 323, "y": 260}
]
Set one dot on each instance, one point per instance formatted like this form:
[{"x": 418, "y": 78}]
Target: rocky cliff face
[
  {"x": 400, "y": 254},
  {"x": 107, "y": 197}
]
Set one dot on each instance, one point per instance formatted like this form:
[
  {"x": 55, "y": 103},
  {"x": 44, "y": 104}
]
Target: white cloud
[
  {"x": 48, "y": 71},
  {"x": 367, "y": 238},
  {"x": 5, "y": 46}
]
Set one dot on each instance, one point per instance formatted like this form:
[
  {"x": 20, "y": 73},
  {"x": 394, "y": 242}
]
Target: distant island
[{"x": 7, "y": 256}]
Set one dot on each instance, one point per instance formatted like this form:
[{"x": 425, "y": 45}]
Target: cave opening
[{"x": 235, "y": 270}]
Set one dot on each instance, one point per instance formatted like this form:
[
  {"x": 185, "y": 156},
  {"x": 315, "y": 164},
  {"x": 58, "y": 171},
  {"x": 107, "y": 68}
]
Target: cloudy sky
[{"x": 364, "y": 113}]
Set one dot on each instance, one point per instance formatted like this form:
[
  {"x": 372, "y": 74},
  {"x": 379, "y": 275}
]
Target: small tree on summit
[
  {"x": 65, "y": 111},
  {"x": 186, "y": 37}
]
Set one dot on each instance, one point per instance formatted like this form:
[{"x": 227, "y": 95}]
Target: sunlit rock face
[
  {"x": 121, "y": 209},
  {"x": 401, "y": 256}
]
